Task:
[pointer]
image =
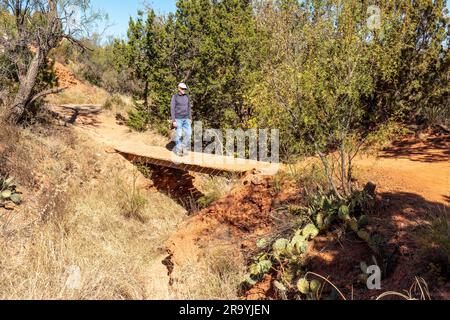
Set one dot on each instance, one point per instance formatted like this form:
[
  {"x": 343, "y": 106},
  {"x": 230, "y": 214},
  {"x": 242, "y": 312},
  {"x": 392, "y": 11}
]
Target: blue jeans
[{"x": 183, "y": 128}]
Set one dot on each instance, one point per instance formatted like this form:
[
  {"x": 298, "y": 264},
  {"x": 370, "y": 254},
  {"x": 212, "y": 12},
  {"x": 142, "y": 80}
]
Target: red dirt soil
[
  {"x": 237, "y": 220},
  {"x": 419, "y": 166},
  {"x": 66, "y": 78}
]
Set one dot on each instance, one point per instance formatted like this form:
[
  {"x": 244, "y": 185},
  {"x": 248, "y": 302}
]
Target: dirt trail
[
  {"x": 102, "y": 127},
  {"x": 403, "y": 168}
]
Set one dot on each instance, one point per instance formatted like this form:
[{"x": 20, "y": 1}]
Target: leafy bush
[{"x": 139, "y": 118}]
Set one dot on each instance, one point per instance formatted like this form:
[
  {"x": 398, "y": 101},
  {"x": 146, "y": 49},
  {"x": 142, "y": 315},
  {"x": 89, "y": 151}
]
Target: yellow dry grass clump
[
  {"x": 79, "y": 94},
  {"x": 217, "y": 276}
]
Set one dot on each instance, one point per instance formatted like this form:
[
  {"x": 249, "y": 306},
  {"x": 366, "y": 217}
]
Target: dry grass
[
  {"x": 75, "y": 216},
  {"x": 215, "y": 188},
  {"x": 418, "y": 291},
  {"x": 118, "y": 104},
  {"x": 88, "y": 210},
  {"x": 216, "y": 277},
  {"x": 80, "y": 94}
]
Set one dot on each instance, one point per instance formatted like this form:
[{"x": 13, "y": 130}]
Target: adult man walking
[{"x": 181, "y": 111}]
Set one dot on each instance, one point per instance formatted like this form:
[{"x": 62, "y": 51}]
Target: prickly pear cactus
[
  {"x": 364, "y": 235},
  {"x": 261, "y": 267},
  {"x": 299, "y": 244},
  {"x": 344, "y": 213},
  {"x": 303, "y": 286},
  {"x": 353, "y": 224},
  {"x": 310, "y": 231},
  {"x": 314, "y": 286},
  {"x": 363, "y": 221},
  {"x": 280, "y": 247},
  {"x": 8, "y": 192},
  {"x": 287, "y": 257},
  {"x": 262, "y": 243}
]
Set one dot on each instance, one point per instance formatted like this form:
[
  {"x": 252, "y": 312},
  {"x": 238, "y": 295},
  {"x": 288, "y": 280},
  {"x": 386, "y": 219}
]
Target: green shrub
[{"x": 139, "y": 118}]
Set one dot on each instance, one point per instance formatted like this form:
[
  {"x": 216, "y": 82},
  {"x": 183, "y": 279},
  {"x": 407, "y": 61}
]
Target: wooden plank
[{"x": 196, "y": 162}]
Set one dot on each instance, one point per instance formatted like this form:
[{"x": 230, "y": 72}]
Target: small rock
[
  {"x": 257, "y": 180},
  {"x": 276, "y": 203}
]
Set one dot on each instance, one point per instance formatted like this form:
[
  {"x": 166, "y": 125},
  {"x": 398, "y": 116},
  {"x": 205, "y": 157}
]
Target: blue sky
[{"x": 119, "y": 12}]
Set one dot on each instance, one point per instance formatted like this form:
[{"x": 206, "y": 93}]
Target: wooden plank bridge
[{"x": 194, "y": 162}]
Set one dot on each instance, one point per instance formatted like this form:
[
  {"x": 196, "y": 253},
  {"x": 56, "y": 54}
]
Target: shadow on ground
[
  {"x": 79, "y": 114},
  {"x": 170, "y": 146},
  {"x": 177, "y": 184},
  {"x": 431, "y": 149}
]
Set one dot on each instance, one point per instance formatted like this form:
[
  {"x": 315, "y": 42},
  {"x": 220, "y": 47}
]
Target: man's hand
[{"x": 174, "y": 124}]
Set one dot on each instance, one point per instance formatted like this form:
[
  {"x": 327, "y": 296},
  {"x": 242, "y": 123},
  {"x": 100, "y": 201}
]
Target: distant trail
[
  {"x": 411, "y": 166},
  {"x": 415, "y": 166}
]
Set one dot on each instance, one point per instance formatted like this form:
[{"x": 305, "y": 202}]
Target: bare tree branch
[
  {"x": 29, "y": 42},
  {"x": 46, "y": 93},
  {"x": 77, "y": 43}
]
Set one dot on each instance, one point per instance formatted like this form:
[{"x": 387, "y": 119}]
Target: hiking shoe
[
  {"x": 178, "y": 152},
  {"x": 185, "y": 151}
]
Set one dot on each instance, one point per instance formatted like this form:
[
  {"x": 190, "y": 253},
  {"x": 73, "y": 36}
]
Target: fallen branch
[{"x": 46, "y": 93}]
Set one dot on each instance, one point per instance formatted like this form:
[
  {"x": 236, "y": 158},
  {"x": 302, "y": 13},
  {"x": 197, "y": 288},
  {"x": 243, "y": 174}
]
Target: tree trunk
[
  {"x": 146, "y": 96},
  {"x": 26, "y": 86},
  {"x": 27, "y": 82}
]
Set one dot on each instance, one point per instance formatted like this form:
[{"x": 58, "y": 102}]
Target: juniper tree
[{"x": 330, "y": 82}]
